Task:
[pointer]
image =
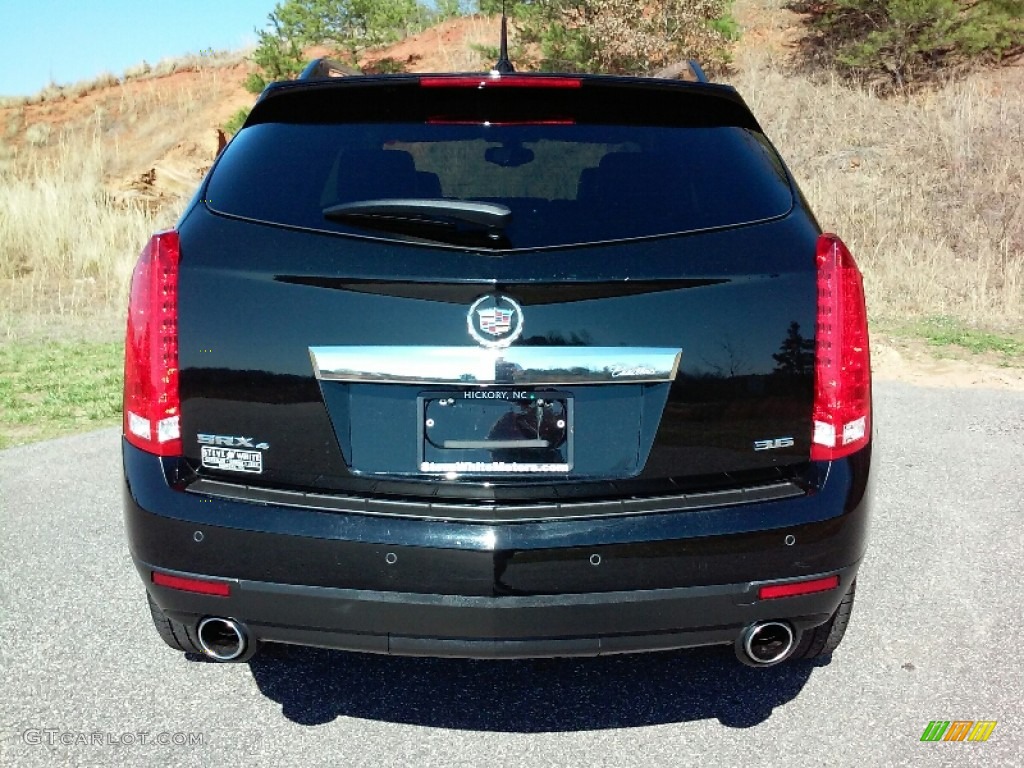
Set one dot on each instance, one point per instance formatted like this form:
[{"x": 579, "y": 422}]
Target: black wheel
[
  {"x": 822, "y": 640},
  {"x": 175, "y": 634}
]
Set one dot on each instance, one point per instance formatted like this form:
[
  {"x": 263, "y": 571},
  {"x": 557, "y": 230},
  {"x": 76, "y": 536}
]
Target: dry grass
[
  {"x": 451, "y": 46},
  {"x": 84, "y": 181},
  {"x": 927, "y": 192},
  {"x": 67, "y": 247},
  {"x": 466, "y": 56}
]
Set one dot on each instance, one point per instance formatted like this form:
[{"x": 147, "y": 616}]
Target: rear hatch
[{"x": 524, "y": 288}]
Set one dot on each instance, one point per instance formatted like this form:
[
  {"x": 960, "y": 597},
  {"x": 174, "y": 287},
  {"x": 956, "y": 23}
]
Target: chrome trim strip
[{"x": 469, "y": 366}]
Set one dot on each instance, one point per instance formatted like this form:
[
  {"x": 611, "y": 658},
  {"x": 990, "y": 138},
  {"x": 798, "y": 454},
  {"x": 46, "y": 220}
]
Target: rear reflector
[
  {"x": 152, "y": 405},
  {"x": 500, "y": 81},
  {"x": 216, "y": 588},
  {"x": 798, "y": 588},
  {"x": 842, "y": 369}
]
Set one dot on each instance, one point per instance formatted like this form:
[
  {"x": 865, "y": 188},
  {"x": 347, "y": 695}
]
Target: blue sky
[{"x": 64, "y": 42}]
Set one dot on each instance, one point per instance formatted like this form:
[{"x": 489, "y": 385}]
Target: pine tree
[
  {"x": 623, "y": 36},
  {"x": 901, "y": 44},
  {"x": 348, "y": 26}
]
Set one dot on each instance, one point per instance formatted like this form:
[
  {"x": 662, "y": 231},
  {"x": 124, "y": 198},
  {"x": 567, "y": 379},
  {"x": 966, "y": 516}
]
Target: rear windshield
[{"x": 563, "y": 183}]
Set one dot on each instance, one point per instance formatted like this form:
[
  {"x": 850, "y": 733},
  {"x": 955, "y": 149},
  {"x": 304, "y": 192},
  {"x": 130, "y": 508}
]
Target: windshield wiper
[
  {"x": 438, "y": 212},
  {"x": 455, "y": 222}
]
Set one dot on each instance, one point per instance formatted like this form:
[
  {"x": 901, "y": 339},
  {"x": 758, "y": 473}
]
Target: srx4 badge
[{"x": 771, "y": 445}]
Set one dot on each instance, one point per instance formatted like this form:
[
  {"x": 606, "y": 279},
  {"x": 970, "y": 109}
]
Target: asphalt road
[{"x": 936, "y": 634}]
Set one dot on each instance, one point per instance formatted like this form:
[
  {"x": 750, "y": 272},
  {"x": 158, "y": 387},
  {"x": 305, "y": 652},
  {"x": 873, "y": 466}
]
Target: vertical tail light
[
  {"x": 842, "y": 387},
  {"x": 152, "y": 405}
]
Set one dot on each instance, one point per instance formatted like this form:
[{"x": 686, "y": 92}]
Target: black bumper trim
[{"x": 413, "y": 624}]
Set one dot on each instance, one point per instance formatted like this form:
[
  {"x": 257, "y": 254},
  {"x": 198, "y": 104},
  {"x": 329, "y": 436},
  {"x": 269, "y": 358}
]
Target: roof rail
[
  {"x": 683, "y": 70},
  {"x": 323, "y": 69}
]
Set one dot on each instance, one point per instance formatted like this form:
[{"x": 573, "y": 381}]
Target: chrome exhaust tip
[
  {"x": 222, "y": 639},
  {"x": 765, "y": 643}
]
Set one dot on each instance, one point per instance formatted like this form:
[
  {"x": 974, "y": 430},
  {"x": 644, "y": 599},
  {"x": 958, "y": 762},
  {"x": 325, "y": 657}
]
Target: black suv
[{"x": 498, "y": 365}]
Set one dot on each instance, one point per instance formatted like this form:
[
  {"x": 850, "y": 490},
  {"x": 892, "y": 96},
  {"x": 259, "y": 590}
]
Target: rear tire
[
  {"x": 821, "y": 641},
  {"x": 177, "y": 635}
]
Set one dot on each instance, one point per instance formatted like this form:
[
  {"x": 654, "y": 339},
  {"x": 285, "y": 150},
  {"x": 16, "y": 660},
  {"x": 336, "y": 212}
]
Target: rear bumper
[
  {"x": 413, "y": 624},
  {"x": 443, "y": 588}
]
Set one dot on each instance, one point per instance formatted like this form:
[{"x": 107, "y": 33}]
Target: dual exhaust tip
[
  {"x": 225, "y": 639},
  {"x": 765, "y": 643}
]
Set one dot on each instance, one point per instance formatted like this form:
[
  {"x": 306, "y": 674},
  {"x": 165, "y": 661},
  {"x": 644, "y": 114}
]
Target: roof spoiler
[
  {"x": 683, "y": 70},
  {"x": 324, "y": 69}
]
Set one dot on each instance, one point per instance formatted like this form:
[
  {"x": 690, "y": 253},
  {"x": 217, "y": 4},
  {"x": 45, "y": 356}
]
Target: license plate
[{"x": 496, "y": 431}]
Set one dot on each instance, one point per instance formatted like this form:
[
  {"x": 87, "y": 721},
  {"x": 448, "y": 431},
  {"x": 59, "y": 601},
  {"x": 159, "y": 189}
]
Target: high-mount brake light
[
  {"x": 500, "y": 81},
  {"x": 842, "y": 370},
  {"x": 152, "y": 404}
]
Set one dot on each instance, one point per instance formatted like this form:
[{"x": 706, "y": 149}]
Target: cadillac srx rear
[{"x": 498, "y": 366}]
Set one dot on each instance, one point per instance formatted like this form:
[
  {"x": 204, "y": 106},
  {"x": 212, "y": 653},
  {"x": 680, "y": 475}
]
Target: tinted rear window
[{"x": 564, "y": 182}]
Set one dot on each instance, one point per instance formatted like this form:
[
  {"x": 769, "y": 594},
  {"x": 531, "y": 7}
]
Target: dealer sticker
[{"x": 232, "y": 459}]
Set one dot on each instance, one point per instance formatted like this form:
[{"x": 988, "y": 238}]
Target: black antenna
[{"x": 504, "y": 66}]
